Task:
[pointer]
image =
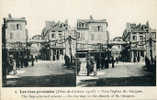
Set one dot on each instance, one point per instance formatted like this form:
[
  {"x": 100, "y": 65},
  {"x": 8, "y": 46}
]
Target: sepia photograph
[{"x": 82, "y": 43}]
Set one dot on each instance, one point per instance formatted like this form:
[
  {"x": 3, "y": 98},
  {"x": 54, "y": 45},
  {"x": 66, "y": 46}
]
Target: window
[
  {"x": 141, "y": 38},
  {"x": 52, "y": 35},
  {"x": 99, "y": 28},
  {"x": 13, "y": 27},
  {"x": 82, "y": 36},
  {"x": 92, "y": 36},
  {"x": 119, "y": 46},
  {"x": 11, "y": 35},
  {"x": 94, "y": 28},
  {"x": 86, "y": 26},
  {"x": 142, "y": 53},
  {"x": 61, "y": 52},
  {"x": 134, "y": 37},
  {"x": 80, "y": 25},
  {"x": 60, "y": 35},
  {"x": 18, "y": 26}
]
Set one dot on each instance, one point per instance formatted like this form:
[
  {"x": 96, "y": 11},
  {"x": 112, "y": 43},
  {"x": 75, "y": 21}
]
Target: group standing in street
[
  {"x": 96, "y": 63},
  {"x": 17, "y": 61}
]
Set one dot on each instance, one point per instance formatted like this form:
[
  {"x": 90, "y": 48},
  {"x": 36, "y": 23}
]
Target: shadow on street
[{"x": 43, "y": 81}]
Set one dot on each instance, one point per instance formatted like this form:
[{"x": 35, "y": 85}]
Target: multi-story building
[
  {"x": 54, "y": 33},
  {"x": 35, "y": 42},
  {"x": 16, "y": 35},
  {"x": 136, "y": 36},
  {"x": 92, "y": 31},
  {"x": 151, "y": 44},
  {"x": 117, "y": 46}
]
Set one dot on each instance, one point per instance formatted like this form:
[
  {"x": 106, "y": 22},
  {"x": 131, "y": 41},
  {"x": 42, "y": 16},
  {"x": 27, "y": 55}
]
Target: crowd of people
[
  {"x": 17, "y": 61},
  {"x": 150, "y": 63},
  {"x": 96, "y": 63}
]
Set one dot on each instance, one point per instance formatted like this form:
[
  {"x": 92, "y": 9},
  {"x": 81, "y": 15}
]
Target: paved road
[
  {"x": 44, "y": 73},
  {"x": 122, "y": 74}
]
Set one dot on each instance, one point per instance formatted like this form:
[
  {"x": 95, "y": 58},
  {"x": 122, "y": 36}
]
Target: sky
[{"x": 116, "y": 12}]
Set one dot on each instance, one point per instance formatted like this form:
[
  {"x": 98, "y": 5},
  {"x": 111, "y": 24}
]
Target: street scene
[
  {"x": 124, "y": 74},
  {"x": 129, "y": 60},
  {"x": 38, "y": 61},
  {"x": 44, "y": 73},
  {"x": 96, "y": 50}
]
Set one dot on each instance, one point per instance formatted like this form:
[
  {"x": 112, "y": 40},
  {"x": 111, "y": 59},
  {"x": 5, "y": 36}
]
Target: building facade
[
  {"x": 35, "y": 45},
  {"x": 151, "y": 44},
  {"x": 54, "y": 33},
  {"x": 117, "y": 47},
  {"x": 135, "y": 35},
  {"x": 16, "y": 35},
  {"x": 92, "y": 32}
]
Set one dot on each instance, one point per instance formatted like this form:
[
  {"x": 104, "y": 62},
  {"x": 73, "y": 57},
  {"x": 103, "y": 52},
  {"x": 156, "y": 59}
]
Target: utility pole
[
  {"x": 4, "y": 53},
  {"x": 76, "y": 60},
  {"x": 150, "y": 43},
  {"x": 70, "y": 50}
]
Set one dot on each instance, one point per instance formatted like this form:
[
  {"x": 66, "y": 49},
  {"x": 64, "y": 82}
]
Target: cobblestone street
[
  {"x": 123, "y": 74},
  {"x": 44, "y": 73}
]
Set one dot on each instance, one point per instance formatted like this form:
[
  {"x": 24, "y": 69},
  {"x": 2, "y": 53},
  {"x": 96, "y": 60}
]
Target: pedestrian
[
  {"x": 102, "y": 62},
  {"x": 88, "y": 65},
  {"x": 117, "y": 60},
  {"x": 25, "y": 61},
  {"x": 32, "y": 59},
  {"x": 97, "y": 63},
  {"x": 92, "y": 60},
  {"x": 113, "y": 61},
  {"x": 106, "y": 62},
  {"x": 138, "y": 58},
  {"x": 94, "y": 66},
  {"x": 134, "y": 59},
  {"x": 10, "y": 63},
  {"x": 17, "y": 61},
  {"x": 21, "y": 60},
  {"x": 66, "y": 60},
  {"x": 78, "y": 65},
  {"x": 14, "y": 67},
  {"x": 155, "y": 60},
  {"x": 36, "y": 58}
]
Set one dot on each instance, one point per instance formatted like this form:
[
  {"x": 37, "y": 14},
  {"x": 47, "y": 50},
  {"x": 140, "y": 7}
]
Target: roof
[
  {"x": 153, "y": 30},
  {"x": 92, "y": 20},
  {"x": 137, "y": 27},
  {"x": 37, "y": 37},
  {"x": 54, "y": 27},
  {"x": 117, "y": 38},
  {"x": 16, "y": 19}
]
